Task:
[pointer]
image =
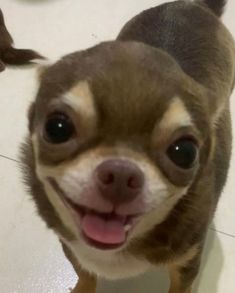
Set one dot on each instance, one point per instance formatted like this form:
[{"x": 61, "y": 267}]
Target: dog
[
  {"x": 129, "y": 144},
  {"x": 10, "y": 55}
]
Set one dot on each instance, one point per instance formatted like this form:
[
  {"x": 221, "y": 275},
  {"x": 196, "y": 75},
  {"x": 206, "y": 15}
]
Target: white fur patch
[
  {"x": 107, "y": 264},
  {"x": 80, "y": 98},
  {"x": 176, "y": 116}
]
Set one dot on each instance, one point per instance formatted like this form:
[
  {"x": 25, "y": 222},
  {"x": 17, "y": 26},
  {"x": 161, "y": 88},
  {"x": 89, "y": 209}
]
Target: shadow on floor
[
  {"x": 151, "y": 282},
  {"x": 212, "y": 265},
  {"x": 158, "y": 282}
]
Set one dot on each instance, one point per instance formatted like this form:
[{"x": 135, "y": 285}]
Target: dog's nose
[{"x": 119, "y": 181}]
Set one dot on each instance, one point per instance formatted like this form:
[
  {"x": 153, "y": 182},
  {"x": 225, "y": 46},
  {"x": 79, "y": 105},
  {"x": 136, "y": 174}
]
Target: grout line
[
  {"x": 5, "y": 157},
  {"x": 224, "y": 233}
]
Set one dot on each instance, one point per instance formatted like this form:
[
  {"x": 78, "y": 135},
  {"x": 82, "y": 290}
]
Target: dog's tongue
[{"x": 105, "y": 231}]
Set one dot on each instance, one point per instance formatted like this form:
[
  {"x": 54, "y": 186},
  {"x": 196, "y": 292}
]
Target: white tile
[
  {"x": 60, "y": 26},
  {"x": 11, "y": 199},
  {"x": 18, "y": 88},
  {"x": 218, "y": 268}
]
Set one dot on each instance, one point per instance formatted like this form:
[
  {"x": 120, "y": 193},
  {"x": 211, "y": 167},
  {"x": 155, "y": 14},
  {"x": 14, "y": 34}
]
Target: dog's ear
[
  {"x": 42, "y": 67},
  {"x": 216, "y": 6},
  {"x": 40, "y": 71}
]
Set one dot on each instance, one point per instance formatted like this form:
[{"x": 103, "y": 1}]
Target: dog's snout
[{"x": 119, "y": 180}]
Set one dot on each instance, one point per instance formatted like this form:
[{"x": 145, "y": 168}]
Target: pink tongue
[{"x": 109, "y": 231}]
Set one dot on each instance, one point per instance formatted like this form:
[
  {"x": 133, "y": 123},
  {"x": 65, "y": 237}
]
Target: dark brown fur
[
  {"x": 217, "y": 6},
  {"x": 187, "y": 53},
  {"x": 8, "y": 54}
]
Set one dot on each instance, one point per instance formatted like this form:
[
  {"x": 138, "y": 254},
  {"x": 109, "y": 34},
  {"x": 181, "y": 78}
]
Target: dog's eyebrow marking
[
  {"x": 176, "y": 116},
  {"x": 81, "y": 100}
]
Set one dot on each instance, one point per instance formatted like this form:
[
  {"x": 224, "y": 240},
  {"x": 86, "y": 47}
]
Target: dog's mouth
[{"x": 103, "y": 230}]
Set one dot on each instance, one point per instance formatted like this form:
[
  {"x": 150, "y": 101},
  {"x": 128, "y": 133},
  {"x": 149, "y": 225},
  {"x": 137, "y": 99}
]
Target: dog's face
[{"x": 118, "y": 134}]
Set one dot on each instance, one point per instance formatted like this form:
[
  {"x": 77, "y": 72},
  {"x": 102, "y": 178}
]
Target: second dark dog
[{"x": 10, "y": 55}]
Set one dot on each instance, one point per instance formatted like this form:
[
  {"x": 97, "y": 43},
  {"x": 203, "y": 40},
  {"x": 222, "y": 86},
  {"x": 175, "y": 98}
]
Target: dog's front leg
[
  {"x": 86, "y": 283},
  {"x": 183, "y": 273},
  {"x": 177, "y": 283}
]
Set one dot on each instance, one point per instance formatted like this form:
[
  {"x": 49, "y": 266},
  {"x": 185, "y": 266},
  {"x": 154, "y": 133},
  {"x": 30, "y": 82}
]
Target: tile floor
[{"x": 31, "y": 260}]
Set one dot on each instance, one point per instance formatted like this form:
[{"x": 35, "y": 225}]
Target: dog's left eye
[
  {"x": 183, "y": 152},
  {"x": 58, "y": 128}
]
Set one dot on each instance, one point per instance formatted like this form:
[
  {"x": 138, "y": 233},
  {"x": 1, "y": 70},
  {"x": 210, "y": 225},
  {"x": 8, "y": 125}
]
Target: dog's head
[{"x": 119, "y": 134}]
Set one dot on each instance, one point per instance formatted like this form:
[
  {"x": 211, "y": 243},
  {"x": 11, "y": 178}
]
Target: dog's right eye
[
  {"x": 58, "y": 128},
  {"x": 183, "y": 152}
]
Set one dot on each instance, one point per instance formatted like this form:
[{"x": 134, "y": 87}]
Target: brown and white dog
[
  {"x": 130, "y": 143},
  {"x": 10, "y": 55}
]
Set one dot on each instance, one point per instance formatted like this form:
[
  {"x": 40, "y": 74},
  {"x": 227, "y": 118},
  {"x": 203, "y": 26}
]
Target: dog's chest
[{"x": 108, "y": 264}]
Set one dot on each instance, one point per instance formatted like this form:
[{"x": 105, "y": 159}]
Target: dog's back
[{"x": 181, "y": 28}]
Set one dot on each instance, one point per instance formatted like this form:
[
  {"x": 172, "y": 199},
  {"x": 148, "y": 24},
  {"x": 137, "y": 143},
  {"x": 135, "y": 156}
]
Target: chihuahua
[{"x": 129, "y": 144}]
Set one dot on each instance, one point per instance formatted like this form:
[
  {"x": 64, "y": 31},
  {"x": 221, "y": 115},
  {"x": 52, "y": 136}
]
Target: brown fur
[
  {"x": 187, "y": 53},
  {"x": 217, "y": 6}
]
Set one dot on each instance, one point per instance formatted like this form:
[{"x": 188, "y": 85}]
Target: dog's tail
[
  {"x": 217, "y": 6},
  {"x": 13, "y": 56}
]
